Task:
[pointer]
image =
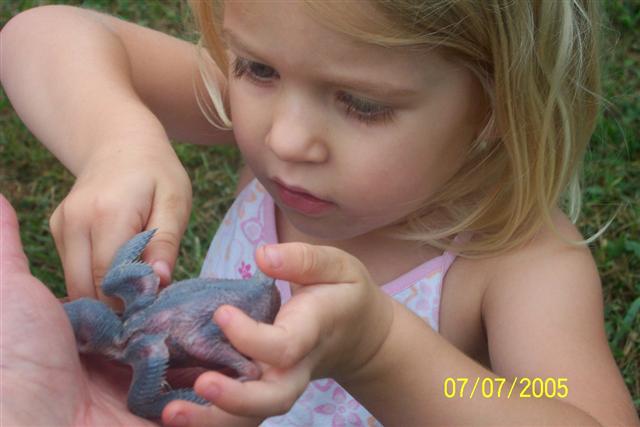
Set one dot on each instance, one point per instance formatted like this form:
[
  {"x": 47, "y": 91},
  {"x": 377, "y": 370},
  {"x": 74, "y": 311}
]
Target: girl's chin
[{"x": 331, "y": 227}]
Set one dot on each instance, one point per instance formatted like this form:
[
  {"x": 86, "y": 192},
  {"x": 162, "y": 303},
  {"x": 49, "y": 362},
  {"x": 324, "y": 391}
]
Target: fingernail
[
  {"x": 211, "y": 392},
  {"x": 273, "y": 257},
  {"x": 223, "y": 316},
  {"x": 161, "y": 268},
  {"x": 178, "y": 420}
]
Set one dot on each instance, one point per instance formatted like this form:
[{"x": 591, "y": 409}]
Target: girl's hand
[
  {"x": 123, "y": 189},
  {"x": 335, "y": 322}
]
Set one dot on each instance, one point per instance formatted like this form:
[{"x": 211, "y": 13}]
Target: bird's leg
[
  {"x": 130, "y": 279},
  {"x": 214, "y": 352},
  {"x": 131, "y": 250},
  {"x": 246, "y": 369},
  {"x": 149, "y": 357},
  {"x": 135, "y": 284},
  {"x": 96, "y": 328}
]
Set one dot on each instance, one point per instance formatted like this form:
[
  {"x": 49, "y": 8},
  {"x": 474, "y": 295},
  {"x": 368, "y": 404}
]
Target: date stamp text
[{"x": 518, "y": 387}]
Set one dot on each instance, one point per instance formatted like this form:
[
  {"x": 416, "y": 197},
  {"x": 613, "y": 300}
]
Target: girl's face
[{"x": 347, "y": 137}]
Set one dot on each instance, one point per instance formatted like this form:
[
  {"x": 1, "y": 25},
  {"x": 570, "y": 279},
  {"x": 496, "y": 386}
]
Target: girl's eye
[
  {"x": 363, "y": 110},
  {"x": 255, "y": 71}
]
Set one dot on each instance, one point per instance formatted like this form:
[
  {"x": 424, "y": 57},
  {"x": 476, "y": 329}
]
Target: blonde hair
[{"x": 539, "y": 66}]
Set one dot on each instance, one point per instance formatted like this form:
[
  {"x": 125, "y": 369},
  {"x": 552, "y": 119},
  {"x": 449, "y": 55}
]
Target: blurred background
[{"x": 35, "y": 182}]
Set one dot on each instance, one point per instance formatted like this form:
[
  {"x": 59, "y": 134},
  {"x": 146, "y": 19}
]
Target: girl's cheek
[
  {"x": 251, "y": 121},
  {"x": 252, "y": 149},
  {"x": 249, "y": 148}
]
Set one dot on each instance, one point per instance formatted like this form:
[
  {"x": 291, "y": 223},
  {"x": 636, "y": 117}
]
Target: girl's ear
[
  {"x": 488, "y": 132},
  {"x": 492, "y": 128}
]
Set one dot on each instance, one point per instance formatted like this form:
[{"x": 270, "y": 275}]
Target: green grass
[
  {"x": 612, "y": 189},
  {"x": 35, "y": 182}
]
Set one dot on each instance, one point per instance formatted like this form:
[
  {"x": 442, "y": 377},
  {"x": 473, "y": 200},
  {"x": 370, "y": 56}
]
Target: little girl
[{"x": 406, "y": 163}]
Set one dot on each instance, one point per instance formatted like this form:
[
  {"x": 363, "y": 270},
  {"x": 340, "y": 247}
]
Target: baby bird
[{"x": 172, "y": 328}]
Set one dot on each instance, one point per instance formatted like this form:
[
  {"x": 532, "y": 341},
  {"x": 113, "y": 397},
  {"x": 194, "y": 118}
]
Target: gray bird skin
[{"x": 171, "y": 328}]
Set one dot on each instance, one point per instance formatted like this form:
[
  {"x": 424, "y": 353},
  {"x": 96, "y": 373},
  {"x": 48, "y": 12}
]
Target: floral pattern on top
[{"x": 249, "y": 224}]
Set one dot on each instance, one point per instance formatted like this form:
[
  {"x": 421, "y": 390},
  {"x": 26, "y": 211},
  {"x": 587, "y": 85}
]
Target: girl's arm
[
  {"x": 543, "y": 319},
  {"x": 105, "y": 96},
  {"x": 79, "y": 79},
  {"x": 543, "y": 316}
]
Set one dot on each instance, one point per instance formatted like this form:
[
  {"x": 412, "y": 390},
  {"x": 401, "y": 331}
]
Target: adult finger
[
  {"x": 309, "y": 264},
  {"x": 12, "y": 256}
]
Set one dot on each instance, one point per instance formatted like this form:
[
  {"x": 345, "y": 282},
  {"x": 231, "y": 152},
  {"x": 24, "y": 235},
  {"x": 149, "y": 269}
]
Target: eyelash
[
  {"x": 365, "y": 111},
  {"x": 242, "y": 66}
]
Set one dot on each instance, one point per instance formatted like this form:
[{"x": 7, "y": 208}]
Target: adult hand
[
  {"x": 44, "y": 382},
  {"x": 334, "y": 324}
]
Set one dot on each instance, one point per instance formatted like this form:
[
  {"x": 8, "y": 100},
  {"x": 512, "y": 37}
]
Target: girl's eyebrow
[
  {"x": 231, "y": 39},
  {"x": 380, "y": 88}
]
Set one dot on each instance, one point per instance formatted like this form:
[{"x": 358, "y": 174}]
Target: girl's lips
[{"x": 301, "y": 201}]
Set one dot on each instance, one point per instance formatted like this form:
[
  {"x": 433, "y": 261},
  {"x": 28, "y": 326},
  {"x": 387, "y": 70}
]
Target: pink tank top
[{"x": 250, "y": 223}]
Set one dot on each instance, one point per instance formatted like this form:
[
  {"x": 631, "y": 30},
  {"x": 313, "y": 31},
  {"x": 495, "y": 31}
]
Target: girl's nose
[{"x": 297, "y": 133}]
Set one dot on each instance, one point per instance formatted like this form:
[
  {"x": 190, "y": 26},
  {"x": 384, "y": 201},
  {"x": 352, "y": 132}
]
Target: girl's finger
[
  {"x": 274, "y": 394},
  {"x": 309, "y": 264},
  {"x": 55, "y": 225},
  {"x": 76, "y": 261},
  {"x": 293, "y": 335},
  {"x": 169, "y": 215},
  {"x": 180, "y": 413},
  {"x": 107, "y": 235}
]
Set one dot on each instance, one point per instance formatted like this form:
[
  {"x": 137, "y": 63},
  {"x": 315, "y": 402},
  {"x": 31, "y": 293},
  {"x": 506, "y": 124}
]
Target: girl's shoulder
[
  {"x": 539, "y": 281},
  {"x": 540, "y": 312},
  {"x": 551, "y": 265},
  {"x": 551, "y": 258},
  {"x": 548, "y": 283}
]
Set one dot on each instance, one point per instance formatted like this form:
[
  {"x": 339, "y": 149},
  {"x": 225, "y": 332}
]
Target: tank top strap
[{"x": 449, "y": 256}]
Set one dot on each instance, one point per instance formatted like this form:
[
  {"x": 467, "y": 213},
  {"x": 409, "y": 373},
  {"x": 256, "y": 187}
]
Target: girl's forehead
[
  {"x": 289, "y": 34},
  {"x": 290, "y": 21},
  {"x": 328, "y": 13}
]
